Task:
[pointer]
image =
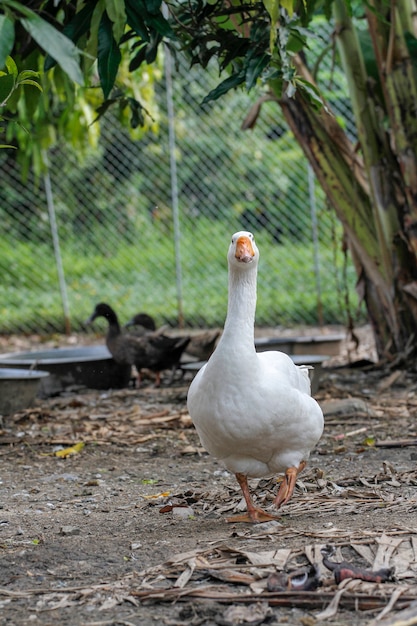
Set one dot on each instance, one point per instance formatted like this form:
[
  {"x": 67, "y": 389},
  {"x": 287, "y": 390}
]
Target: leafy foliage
[
  {"x": 10, "y": 81},
  {"x": 46, "y": 42},
  {"x": 251, "y": 41},
  {"x": 104, "y": 44}
]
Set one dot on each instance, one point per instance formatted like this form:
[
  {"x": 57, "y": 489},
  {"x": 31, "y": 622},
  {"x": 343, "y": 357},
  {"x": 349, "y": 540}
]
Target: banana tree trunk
[{"x": 389, "y": 289}]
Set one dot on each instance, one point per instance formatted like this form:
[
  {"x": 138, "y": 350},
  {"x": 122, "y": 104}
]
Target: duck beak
[
  {"x": 244, "y": 250},
  {"x": 90, "y": 320}
]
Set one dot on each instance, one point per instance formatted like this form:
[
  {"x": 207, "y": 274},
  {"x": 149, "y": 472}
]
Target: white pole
[
  {"x": 174, "y": 177},
  {"x": 315, "y": 235},
  {"x": 56, "y": 244}
]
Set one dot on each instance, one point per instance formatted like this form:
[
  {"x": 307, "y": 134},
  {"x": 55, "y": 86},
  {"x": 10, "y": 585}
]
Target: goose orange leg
[
  {"x": 286, "y": 488},
  {"x": 254, "y": 514}
]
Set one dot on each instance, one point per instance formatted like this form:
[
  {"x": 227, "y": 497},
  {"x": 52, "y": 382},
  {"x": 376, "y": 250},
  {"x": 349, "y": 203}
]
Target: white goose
[{"x": 254, "y": 412}]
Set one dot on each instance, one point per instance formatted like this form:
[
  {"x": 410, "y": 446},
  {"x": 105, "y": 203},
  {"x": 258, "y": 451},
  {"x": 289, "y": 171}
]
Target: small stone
[
  {"x": 346, "y": 407},
  {"x": 70, "y": 531},
  {"x": 182, "y": 512}
]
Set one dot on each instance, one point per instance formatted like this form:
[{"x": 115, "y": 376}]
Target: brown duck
[
  {"x": 200, "y": 346},
  {"x": 152, "y": 351}
]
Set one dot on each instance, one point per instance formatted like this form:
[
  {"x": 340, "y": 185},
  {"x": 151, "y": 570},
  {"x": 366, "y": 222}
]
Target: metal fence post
[
  {"x": 174, "y": 180},
  {"x": 56, "y": 244},
  {"x": 315, "y": 235}
]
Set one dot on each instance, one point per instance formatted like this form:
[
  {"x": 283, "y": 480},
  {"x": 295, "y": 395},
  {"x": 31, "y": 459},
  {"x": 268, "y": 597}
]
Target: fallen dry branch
[
  {"x": 395, "y": 443},
  {"x": 299, "y": 599}
]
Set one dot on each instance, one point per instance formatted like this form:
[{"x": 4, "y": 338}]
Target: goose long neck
[{"x": 240, "y": 319}]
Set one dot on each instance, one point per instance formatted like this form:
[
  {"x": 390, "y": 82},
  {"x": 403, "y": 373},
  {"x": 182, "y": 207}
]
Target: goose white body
[{"x": 253, "y": 411}]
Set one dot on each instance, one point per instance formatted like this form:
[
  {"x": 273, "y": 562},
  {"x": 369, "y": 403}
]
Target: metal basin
[
  {"x": 315, "y": 361},
  {"x": 90, "y": 366},
  {"x": 283, "y": 344},
  {"x": 19, "y": 388},
  {"x": 328, "y": 345}
]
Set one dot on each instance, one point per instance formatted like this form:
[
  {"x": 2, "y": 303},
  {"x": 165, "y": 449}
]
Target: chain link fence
[{"x": 145, "y": 225}]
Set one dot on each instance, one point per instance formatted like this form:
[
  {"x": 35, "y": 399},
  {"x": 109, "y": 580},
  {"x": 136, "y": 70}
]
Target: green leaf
[
  {"x": 80, "y": 24},
  {"x": 152, "y": 48},
  {"x": 135, "y": 20},
  {"x": 116, "y": 12},
  {"x": 28, "y": 74},
  {"x": 288, "y": 5},
  {"x": 255, "y": 68},
  {"x": 272, "y": 6},
  {"x": 146, "y": 52},
  {"x": 236, "y": 48},
  {"x": 7, "y": 85},
  {"x": 103, "y": 108},
  {"x": 160, "y": 24},
  {"x": 313, "y": 94},
  {"x": 153, "y": 6},
  {"x": 108, "y": 55},
  {"x": 6, "y": 38},
  {"x": 139, "y": 58},
  {"x": 297, "y": 39},
  {"x": 137, "y": 119},
  {"x": 290, "y": 90},
  {"x": 11, "y": 67},
  {"x": 369, "y": 441},
  {"x": 230, "y": 83},
  {"x": 57, "y": 45},
  {"x": 142, "y": 16},
  {"x": 29, "y": 81},
  {"x": 76, "y": 28}
]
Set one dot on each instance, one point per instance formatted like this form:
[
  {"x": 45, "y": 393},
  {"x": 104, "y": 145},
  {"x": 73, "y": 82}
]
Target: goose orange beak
[{"x": 244, "y": 250}]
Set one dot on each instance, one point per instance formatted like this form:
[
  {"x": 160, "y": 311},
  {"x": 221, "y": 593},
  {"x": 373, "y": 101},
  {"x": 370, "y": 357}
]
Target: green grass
[{"x": 141, "y": 276}]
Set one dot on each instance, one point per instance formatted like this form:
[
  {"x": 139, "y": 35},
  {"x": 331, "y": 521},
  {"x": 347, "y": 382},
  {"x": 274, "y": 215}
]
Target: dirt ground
[{"x": 130, "y": 528}]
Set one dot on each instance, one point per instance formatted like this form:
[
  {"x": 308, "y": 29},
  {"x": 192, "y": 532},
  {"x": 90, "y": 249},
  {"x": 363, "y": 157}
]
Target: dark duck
[
  {"x": 152, "y": 351},
  {"x": 141, "y": 324},
  {"x": 200, "y": 346}
]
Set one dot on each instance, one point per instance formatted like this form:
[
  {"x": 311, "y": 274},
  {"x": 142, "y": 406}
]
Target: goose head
[{"x": 243, "y": 250}]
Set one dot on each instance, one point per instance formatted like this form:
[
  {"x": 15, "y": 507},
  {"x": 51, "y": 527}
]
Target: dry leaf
[
  {"x": 157, "y": 496},
  {"x": 66, "y": 452},
  {"x": 252, "y": 614}
]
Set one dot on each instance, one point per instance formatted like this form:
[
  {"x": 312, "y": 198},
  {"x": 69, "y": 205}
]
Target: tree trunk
[{"x": 386, "y": 269}]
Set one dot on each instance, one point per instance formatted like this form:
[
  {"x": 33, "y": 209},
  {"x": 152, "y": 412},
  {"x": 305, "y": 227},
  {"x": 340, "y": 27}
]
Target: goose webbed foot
[
  {"x": 254, "y": 515},
  {"x": 286, "y": 488}
]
